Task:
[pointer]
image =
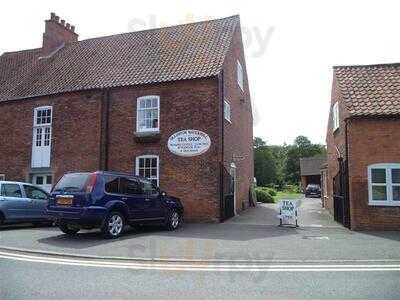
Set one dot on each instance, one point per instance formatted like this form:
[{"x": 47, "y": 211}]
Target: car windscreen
[{"x": 73, "y": 182}]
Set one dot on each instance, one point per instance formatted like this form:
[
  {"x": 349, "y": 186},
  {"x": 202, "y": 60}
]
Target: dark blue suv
[{"x": 110, "y": 200}]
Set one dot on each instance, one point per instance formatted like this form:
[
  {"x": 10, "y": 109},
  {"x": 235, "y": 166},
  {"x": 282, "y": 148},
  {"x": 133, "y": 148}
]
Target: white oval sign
[{"x": 189, "y": 142}]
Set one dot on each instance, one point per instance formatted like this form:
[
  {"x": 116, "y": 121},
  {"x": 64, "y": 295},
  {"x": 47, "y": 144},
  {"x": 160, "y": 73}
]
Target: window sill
[
  {"x": 147, "y": 136},
  {"x": 384, "y": 204}
]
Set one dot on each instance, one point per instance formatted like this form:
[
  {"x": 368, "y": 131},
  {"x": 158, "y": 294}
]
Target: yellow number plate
[{"x": 64, "y": 200}]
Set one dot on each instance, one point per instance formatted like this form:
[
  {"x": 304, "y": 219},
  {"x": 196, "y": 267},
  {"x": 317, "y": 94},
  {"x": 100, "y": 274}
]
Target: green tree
[
  {"x": 302, "y": 147},
  {"x": 264, "y": 163}
]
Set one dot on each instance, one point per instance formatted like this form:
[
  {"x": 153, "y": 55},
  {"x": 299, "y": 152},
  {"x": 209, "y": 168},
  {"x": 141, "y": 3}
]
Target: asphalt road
[
  {"x": 319, "y": 260},
  {"x": 34, "y": 280}
]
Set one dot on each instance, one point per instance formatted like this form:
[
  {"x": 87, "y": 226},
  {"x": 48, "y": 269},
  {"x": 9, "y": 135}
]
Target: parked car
[
  {"x": 313, "y": 190},
  {"x": 109, "y": 201},
  {"x": 22, "y": 203}
]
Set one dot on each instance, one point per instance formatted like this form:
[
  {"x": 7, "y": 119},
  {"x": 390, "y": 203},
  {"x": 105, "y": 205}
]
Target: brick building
[
  {"x": 310, "y": 170},
  {"x": 363, "y": 142},
  {"x": 116, "y": 103}
]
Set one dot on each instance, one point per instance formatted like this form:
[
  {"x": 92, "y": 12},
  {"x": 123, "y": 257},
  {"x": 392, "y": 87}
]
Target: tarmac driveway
[{"x": 253, "y": 235}]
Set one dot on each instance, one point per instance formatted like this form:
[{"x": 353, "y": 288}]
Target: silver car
[{"x": 22, "y": 203}]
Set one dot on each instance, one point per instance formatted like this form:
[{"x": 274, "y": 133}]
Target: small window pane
[
  {"x": 378, "y": 175},
  {"x": 142, "y": 104},
  {"x": 154, "y": 163},
  {"x": 49, "y": 179},
  {"x": 147, "y": 164},
  {"x": 379, "y": 193},
  {"x": 396, "y": 193},
  {"x": 141, "y": 163},
  {"x": 39, "y": 179},
  {"x": 154, "y": 104},
  {"x": 395, "y": 175}
]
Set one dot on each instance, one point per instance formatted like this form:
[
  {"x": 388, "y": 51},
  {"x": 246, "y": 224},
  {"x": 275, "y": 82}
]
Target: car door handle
[
  {"x": 147, "y": 199},
  {"x": 124, "y": 198}
]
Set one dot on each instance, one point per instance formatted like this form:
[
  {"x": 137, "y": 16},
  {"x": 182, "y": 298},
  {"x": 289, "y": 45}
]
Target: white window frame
[
  {"x": 389, "y": 185},
  {"x": 40, "y": 108},
  {"x": 138, "y": 110},
  {"x": 2, "y": 177},
  {"x": 227, "y": 111},
  {"x": 43, "y": 138},
  {"x": 158, "y": 166},
  {"x": 239, "y": 75},
  {"x": 335, "y": 116}
]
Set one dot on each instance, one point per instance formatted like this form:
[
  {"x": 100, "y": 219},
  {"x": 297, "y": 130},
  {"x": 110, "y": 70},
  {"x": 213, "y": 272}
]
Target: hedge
[{"x": 264, "y": 196}]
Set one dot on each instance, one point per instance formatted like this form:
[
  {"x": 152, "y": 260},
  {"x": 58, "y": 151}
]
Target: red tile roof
[
  {"x": 371, "y": 90},
  {"x": 158, "y": 55}
]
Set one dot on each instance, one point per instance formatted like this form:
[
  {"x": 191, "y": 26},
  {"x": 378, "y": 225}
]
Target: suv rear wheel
[
  {"x": 113, "y": 225},
  {"x": 68, "y": 229}
]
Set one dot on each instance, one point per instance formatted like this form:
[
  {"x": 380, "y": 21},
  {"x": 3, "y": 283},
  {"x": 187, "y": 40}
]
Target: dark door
[
  {"x": 131, "y": 194},
  {"x": 341, "y": 201},
  {"x": 153, "y": 206}
]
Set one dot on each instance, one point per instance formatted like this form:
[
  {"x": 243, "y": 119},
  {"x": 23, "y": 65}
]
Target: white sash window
[
  {"x": 148, "y": 114},
  {"x": 148, "y": 166},
  {"x": 41, "y": 143}
]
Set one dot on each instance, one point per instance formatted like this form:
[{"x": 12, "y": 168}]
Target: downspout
[
  {"x": 221, "y": 167},
  {"x": 347, "y": 173},
  {"x": 104, "y": 130}
]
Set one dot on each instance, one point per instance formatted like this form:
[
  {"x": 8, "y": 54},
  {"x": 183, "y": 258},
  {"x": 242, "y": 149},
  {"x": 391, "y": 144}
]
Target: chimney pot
[{"x": 55, "y": 36}]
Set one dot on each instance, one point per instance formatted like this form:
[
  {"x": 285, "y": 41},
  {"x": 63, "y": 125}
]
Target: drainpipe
[
  {"x": 221, "y": 175},
  {"x": 347, "y": 173},
  {"x": 104, "y": 120}
]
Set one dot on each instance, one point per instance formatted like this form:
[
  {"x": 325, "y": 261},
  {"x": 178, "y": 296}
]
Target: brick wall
[
  {"x": 238, "y": 135},
  {"x": 75, "y": 134},
  {"x": 371, "y": 141},
  {"x": 190, "y": 104},
  {"x": 335, "y": 142}
]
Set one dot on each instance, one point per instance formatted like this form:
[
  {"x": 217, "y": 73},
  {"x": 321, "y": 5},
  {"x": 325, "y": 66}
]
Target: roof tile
[{"x": 180, "y": 52}]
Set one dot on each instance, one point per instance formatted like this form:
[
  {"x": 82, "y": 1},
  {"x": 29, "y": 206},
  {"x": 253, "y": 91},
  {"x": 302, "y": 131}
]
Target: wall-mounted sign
[{"x": 189, "y": 142}]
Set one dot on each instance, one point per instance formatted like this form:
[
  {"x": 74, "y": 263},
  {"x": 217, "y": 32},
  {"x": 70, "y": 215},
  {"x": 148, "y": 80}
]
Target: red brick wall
[
  {"x": 238, "y": 135},
  {"x": 335, "y": 141},
  {"x": 371, "y": 141},
  {"x": 190, "y": 104},
  {"x": 75, "y": 134}
]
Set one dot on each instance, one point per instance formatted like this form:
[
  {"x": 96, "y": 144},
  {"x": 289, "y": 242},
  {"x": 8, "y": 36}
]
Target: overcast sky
[{"x": 290, "y": 46}]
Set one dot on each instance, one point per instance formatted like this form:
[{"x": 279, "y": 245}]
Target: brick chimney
[{"x": 57, "y": 33}]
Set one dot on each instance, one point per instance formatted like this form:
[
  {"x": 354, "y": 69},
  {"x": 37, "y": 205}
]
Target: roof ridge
[
  {"x": 19, "y": 51},
  {"x": 366, "y": 66},
  {"x": 161, "y": 28}
]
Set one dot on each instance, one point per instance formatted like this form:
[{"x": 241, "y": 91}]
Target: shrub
[
  {"x": 291, "y": 188},
  {"x": 269, "y": 190},
  {"x": 264, "y": 196}
]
